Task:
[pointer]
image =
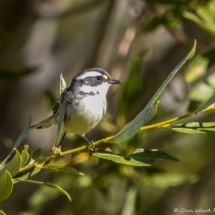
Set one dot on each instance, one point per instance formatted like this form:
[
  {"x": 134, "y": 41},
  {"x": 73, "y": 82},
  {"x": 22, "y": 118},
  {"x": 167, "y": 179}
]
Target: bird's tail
[{"x": 44, "y": 124}]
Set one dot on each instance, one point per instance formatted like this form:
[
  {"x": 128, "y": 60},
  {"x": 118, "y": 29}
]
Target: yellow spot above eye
[{"x": 105, "y": 77}]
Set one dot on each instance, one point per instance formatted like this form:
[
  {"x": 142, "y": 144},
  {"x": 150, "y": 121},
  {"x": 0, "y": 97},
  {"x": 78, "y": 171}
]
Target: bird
[{"x": 85, "y": 106}]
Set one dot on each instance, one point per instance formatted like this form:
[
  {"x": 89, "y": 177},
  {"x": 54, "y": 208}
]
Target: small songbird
[{"x": 86, "y": 103}]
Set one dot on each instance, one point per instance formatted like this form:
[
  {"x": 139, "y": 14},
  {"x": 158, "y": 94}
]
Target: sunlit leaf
[
  {"x": 25, "y": 156},
  {"x": 129, "y": 207},
  {"x": 171, "y": 75},
  {"x": 134, "y": 126},
  {"x": 211, "y": 80},
  {"x": 195, "y": 128},
  {"x": 140, "y": 157},
  {"x": 6, "y": 185},
  {"x": 63, "y": 96},
  {"x": 26, "y": 174},
  {"x": 197, "y": 68},
  {"x": 207, "y": 105},
  {"x": 44, "y": 194},
  {"x": 205, "y": 25},
  {"x": 2, "y": 213},
  {"x": 47, "y": 185},
  {"x": 206, "y": 14},
  {"x": 199, "y": 95},
  {"x": 165, "y": 180},
  {"x": 13, "y": 166},
  {"x": 62, "y": 168}
]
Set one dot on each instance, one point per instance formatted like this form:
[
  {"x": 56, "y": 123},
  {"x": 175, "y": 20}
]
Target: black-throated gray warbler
[{"x": 86, "y": 103}]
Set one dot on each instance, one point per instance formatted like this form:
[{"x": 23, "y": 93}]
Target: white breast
[{"x": 84, "y": 114}]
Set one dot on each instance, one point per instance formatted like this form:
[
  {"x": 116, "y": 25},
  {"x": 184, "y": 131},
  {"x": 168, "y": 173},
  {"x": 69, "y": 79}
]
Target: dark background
[{"x": 138, "y": 42}]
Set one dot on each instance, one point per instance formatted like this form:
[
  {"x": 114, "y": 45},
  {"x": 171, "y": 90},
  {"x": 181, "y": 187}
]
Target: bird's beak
[{"x": 114, "y": 81}]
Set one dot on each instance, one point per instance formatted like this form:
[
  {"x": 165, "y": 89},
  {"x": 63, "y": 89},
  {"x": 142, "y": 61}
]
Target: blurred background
[{"x": 139, "y": 43}]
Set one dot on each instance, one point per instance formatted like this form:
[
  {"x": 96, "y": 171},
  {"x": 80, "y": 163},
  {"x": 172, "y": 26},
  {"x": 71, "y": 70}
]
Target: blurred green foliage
[{"x": 39, "y": 40}]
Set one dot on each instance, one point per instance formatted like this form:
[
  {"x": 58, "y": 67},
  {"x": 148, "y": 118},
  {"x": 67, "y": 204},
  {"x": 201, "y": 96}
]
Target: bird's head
[{"x": 93, "y": 80}]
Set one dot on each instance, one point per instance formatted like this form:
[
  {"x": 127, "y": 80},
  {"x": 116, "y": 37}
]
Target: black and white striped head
[{"x": 93, "y": 80}]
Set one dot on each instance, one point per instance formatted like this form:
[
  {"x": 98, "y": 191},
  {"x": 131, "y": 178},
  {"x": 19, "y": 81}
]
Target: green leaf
[
  {"x": 13, "y": 166},
  {"x": 13, "y": 73},
  {"x": 171, "y": 75},
  {"x": 36, "y": 154},
  {"x": 2, "y": 213},
  {"x": 20, "y": 139},
  {"x": 206, "y": 14},
  {"x": 62, "y": 168},
  {"x": 23, "y": 135},
  {"x": 199, "y": 95},
  {"x": 26, "y": 174},
  {"x": 25, "y": 156},
  {"x": 134, "y": 126},
  {"x": 63, "y": 96},
  {"x": 6, "y": 185},
  {"x": 195, "y": 128},
  {"x": 205, "y": 25},
  {"x": 140, "y": 157},
  {"x": 166, "y": 180},
  {"x": 131, "y": 197},
  {"x": 210, "y": 102},
  {"x": 197, "y": 68},
  {"x": 47, "y": 185}
]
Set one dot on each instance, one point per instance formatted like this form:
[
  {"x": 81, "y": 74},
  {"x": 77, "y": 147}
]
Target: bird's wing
[{"x": 57, "y": 105}]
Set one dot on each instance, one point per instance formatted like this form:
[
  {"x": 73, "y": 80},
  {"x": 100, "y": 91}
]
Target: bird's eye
[{"x": 99, "y": 78}]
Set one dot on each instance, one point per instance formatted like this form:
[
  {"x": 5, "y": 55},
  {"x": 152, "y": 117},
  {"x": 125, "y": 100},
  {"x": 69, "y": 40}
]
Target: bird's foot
[
  {"x": 93, "y": 147},
  {"x": 57, "y": 151}
]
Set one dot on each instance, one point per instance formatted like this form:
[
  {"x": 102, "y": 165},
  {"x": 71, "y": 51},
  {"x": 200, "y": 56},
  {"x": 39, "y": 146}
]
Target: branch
[{"x": 164, "y": 124}]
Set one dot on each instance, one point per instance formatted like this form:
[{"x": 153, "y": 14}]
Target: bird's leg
[
  {"x": 60, "y": 144},
  {"x": 89, "y": 143}
]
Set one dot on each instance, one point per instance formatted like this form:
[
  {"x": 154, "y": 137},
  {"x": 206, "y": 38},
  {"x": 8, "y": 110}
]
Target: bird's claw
[{"x": 93, "y": 147}]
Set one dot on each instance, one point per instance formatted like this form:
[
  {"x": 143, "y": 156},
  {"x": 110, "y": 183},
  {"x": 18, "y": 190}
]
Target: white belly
[{"x": 83, "y": 115}]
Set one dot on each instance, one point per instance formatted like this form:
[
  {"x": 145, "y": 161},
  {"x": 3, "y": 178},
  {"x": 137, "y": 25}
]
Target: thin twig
[{"x": 164, "y": 124}]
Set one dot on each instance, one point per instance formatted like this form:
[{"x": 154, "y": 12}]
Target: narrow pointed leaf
[
  {"x": 63, "y": 96},
  {"x": 62, "y": 168},
  {"x": 205, "y": 25},
  {"x": 171, "y": 75},
  {"x": 131, "y": 197},
  {"x": 27, "y": 174},
  {"x": 140, "y": 157},
  {"x": 14, "y": 73},
  {"x": 36, "y": 154},
  {"x": 25, "y": 156},
  {"x": 210, "y": 103},
  {"x": 47, "y": 185},
  {"x": 197, "y": 68},
  {"x": 6, "y": 185},
  {"x": 13, "y": 166},
  {"x": 195, "y": 128},
  {"x": 23, "y": 135},
  {"x": 20, "y": 139},
  {"x": 134, "y": 126}
]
